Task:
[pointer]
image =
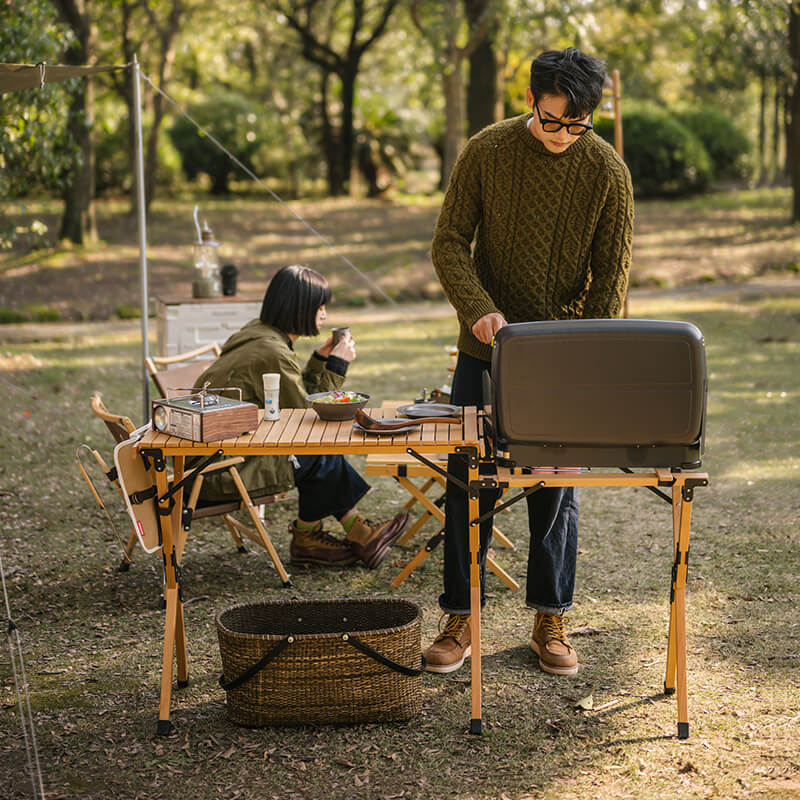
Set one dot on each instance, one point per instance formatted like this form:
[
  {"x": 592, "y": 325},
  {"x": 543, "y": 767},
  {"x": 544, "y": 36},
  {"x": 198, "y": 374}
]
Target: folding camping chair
[
  {"x": 405, "y": 467},
  {"x": 182, "y": 370},
  {"x": 139, "y": 480}
]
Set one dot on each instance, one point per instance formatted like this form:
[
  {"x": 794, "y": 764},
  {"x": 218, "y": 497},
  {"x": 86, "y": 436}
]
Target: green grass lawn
[{"x": 92, "y": 636}]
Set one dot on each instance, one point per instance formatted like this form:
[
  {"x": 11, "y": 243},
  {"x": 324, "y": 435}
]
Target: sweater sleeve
[
  {"x": 611, "y": 249},
  {"x": 318, "y": 378},
  {"x": 451, "y": 250}
]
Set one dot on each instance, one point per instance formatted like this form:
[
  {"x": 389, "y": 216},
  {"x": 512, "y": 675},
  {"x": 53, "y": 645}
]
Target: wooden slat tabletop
[{"x": 301, "y": 430}]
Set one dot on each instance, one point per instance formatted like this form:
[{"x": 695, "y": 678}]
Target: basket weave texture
[{"x": 320, "y": 677}]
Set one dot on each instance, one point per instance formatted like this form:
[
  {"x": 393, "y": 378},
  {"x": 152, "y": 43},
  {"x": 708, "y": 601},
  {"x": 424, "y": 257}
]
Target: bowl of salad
[{"x": 337, "y": 405}]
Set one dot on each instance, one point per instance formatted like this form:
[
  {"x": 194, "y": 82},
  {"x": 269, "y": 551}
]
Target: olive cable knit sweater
[{"x": 554, "y": 230}]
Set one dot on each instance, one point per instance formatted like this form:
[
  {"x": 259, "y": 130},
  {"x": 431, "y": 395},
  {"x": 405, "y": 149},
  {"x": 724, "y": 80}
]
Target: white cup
[{"x": 272, "y": 385}]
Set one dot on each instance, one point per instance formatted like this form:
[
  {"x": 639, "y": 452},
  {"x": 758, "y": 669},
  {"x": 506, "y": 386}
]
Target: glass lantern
[{"x": 207, "y": 281}]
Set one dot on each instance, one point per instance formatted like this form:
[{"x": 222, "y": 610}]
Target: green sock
[
  {"x": 348, "y": 523},
  {"x": 307, "y": 526}
]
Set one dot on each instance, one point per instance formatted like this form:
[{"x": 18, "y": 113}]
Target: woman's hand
[
  {"x": 325, "y": 350},
  {"x": 345, "y": 348}
]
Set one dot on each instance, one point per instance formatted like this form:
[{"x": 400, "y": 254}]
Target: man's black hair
[
  {"x": 292, "y": 299},
  {"x": 575, "y": 75}
]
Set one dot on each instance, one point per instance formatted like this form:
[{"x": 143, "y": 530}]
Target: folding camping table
[
  {"x": 298, "y": 431},
  {"x": 301, "y": 431}
]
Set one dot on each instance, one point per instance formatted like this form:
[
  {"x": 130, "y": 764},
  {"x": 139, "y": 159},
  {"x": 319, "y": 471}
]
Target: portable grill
[{"x": 599, "y": 393}]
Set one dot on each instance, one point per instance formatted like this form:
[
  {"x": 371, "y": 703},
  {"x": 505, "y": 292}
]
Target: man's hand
[{"x": 487, "y": 326}]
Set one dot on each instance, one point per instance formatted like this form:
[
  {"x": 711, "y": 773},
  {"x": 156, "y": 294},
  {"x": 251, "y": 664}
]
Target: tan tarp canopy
[{"x": 34, "y": 76}]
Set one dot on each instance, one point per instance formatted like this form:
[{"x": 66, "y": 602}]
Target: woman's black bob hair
[{"x": 292, "y": 299}]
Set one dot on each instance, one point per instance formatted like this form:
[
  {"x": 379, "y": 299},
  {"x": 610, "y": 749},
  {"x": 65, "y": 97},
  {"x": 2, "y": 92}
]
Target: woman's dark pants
[{"x": 326, "y": 486}]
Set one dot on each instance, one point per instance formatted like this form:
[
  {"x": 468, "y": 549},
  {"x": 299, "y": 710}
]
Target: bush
[
  {"x": 230, "y": 119},
  {"x": 42, "y": 313},
  {"x": 725, "y": 144},
  {"x": 664, "y": 157}
]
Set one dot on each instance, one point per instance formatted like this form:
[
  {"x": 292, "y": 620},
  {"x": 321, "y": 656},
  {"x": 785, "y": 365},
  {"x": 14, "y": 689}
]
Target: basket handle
[
  {"x": 257, "y": 667},
  {"x": 346, "y": 637},
  {"x": 382, "y": 659}
]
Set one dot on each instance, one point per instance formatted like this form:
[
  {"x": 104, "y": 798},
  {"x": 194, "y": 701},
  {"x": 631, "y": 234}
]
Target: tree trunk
[
  {"x": 776, "y": 130},
  {"x": 482, "y": 86},
  {"x": 499, "y": 90},
  {"x": 78, "y": 224},
  {"x": 453, "y": 86},
  {"x": 348, "y": 80},
  {"x": 794, "y": 128},
  {"x": 787, "y": 129},
  {"x": 762, "y": 130},
  {"x": 330, "y": 145}
]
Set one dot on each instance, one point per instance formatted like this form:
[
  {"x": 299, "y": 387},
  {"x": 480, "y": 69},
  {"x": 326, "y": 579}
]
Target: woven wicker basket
[{"x": 321, "y": 661}]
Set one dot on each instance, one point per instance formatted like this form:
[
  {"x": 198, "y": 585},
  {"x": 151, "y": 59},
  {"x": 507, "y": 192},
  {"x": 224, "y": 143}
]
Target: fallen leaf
[{"x": 586, "y": 703}]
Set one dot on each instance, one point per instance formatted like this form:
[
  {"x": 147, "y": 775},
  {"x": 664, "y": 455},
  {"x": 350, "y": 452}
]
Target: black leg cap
[
  {"x": 242, "y": 549},
  {"x": 124, "y": 566},
  {"x": 183, "y": 684},
  {"x": 164, "y": 727},
  {"x": 683, "y": 730},
  {"x": 288, "y": 584},
  {"x": 476, "y": 727},
  {"x": 669, "y": 689}
]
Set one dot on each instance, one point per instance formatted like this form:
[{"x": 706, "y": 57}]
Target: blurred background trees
[{"x": 367, "y": 96}]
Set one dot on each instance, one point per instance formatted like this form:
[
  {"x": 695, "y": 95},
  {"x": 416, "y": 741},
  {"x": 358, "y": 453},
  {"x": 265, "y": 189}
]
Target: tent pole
[{"x": 137, "y": 111}]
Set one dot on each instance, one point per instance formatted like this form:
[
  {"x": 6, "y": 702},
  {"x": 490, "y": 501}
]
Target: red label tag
[{"x": 141, "y": 528}]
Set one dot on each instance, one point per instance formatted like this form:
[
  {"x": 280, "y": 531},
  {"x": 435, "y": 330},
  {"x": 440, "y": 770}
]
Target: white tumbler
[{"x": 272, "y": 385}]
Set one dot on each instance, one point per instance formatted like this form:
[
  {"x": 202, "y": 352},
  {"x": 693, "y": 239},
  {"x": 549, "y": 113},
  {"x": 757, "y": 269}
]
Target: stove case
[{"x": 599, "y": 393}]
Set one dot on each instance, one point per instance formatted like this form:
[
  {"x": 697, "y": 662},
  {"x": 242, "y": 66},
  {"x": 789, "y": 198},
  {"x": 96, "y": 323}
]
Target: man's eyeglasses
[{"x": 554, "y": 125}]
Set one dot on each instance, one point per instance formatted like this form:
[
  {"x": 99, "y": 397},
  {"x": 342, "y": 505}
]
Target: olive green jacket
[{"x": 255, "y": 349}]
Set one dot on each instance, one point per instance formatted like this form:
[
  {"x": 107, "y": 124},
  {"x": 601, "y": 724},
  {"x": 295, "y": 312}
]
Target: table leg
[
  {"x": 476, "y": 725},
  {"x": 174, "y": 630},
  {"x": 669, "y": 678},
  {"x": 682, "y": 566}
]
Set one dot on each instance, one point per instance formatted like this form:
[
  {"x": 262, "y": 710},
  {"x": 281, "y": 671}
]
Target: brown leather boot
[
  {"x": 451, "y": 646},
  {"x": 371, "y": 541},
  {"x": 319, "y": 547},
  {"x": 549, "y": 641}
]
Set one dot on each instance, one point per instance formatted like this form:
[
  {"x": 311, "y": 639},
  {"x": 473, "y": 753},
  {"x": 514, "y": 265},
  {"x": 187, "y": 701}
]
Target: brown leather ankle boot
[
  {"x": 319, "y": 547},
  {"x": 371, "y": 541}
]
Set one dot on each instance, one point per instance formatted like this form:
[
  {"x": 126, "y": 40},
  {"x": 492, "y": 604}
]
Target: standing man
[{"x": 536, "y": 224}]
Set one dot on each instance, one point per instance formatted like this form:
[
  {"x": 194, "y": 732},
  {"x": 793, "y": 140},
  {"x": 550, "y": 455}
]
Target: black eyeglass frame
[{"x": 557, "y": 125}]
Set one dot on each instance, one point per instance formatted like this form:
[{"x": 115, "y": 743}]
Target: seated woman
[{"x": 294, "y": 306}]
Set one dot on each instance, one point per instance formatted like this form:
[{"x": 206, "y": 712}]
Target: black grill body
[{"x": 599, "y": 393}]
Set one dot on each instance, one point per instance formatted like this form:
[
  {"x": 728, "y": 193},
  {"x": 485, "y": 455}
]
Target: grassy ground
[
  {"x": 92, "y": 636},
  {"x": 725, "y": 236}
]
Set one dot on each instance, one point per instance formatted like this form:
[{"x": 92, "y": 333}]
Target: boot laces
[
  {"x": 320, "y": 535},
  {"x": 327, "y": 538},
  {"x": 554, "y": 627},
  {"x": 453, "y": 628}
]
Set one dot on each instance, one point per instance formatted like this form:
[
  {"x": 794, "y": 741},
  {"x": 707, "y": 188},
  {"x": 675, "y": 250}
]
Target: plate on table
[
  {"x": 406, "y": 429},
  {"x": 416, "y": 410}
]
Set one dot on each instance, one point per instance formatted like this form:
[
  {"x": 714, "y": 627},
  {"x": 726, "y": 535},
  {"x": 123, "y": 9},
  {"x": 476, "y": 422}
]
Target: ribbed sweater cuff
[{"x": 474, "y": 311}]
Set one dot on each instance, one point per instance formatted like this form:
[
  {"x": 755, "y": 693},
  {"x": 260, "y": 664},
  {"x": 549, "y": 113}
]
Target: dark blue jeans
[
  {"x": 552, "y": 520},
  {"x": 326, "y": 486}
]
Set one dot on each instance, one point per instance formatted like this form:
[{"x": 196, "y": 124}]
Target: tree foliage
[
  {"x": 322, "y": 106},
  {"x": 36, "y": 151}
]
